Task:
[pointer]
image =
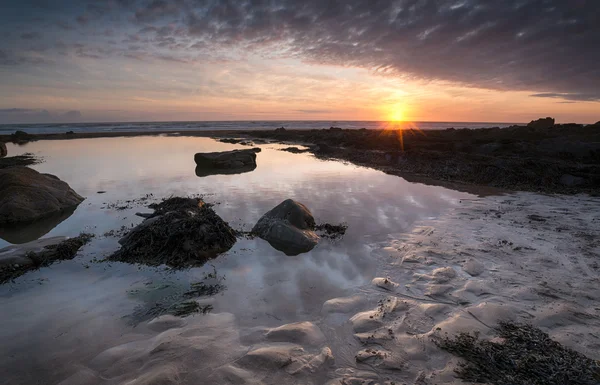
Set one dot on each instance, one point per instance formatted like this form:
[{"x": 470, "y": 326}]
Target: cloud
[
  {"x": 549, "y": 47},
  {"x": 589, "y": 97},
  {"x": 315, "y": 111},
  {"x": 26, "y": 115},
  {"x": 30, "y": 35}
]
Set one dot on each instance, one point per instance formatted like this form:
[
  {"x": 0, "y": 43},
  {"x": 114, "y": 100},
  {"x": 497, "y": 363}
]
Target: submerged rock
[
  {"x": 289, "y": 227},
  {"x": 542, "y": 123},
  {"x": 227, "y": 159},
  {"x": 3, "y": 150},
  {"x": 182, "y": 232},
  {"x": 27, "y": 195}
]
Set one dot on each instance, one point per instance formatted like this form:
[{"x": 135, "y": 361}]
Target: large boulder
[
  {"x": 182, "y": 232},
  {"x": 542, "y": 124},
  {"x": 3, "y": 150},
  {"x": 27, "y": 195},
  {"x": 227, "y": 159},
  {"x": 289, "y": 227}
]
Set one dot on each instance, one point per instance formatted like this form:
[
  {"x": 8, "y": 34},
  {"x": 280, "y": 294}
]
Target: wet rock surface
[
  {"x": 182, "y": 232},
  {"x": 27, "y": 195},
  {"x": 289, "y": 227},
  {"x": 16, "y": 261},
  {"x": 3, "y": 150},
  {"x": 227, "y": 159}
]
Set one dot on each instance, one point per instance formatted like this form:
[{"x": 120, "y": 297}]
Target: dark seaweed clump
[
  {"x": 330, "y": 231},
  {"x": 27, "y": 159},
  {"x": 62, "y": 251},
  {"x": 525, "y": 355},
  {"x": 182, "y": 232}
]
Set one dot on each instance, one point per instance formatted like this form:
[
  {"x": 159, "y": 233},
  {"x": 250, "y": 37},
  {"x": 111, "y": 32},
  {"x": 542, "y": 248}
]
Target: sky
[{"x": 416, "y": 60}]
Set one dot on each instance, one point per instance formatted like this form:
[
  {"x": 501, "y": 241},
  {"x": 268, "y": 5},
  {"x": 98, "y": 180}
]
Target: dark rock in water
[
  {"x": 330, "y": 231},
  {"x": 69, "y": 133},
  {"x": 294, "y": 150},
  {"x": 20, "y": 137},
  {"x": 542, "y": 123},
  {"x": 230, "y": 140},
  {"x": 335, "y": 128},
  {"x": 3, "y": 150},
  {"x": 280, "y": 129},
  {"x": 182, "y": 232},
  {"x": 236, "y": 159},
  {"x": 19, "y": 160},
  {"x": 289, "y": 228},
  {"x": 18, "y": 260},
  {"x": 26, "y": 195}
]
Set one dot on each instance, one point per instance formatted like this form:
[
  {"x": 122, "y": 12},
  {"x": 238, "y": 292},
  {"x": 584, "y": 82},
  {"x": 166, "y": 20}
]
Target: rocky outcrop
[
  {"x": 182, "y": 232},
  {"x": 226, "y": 162},
  {"x": 542, "y": 124},
  {"x": 3, "y": 150},
  {"x": 227, "y": 159},
  {"x": 289, "y": 228},
  {"x": 27, "y": 195}
]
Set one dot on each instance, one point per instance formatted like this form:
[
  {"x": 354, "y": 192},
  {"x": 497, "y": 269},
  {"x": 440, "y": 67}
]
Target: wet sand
[{"x": 521, "y": 257}]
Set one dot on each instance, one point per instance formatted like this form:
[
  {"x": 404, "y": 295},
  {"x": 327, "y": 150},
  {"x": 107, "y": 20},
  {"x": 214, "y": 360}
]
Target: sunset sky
[{"x": 132, "y": 60}]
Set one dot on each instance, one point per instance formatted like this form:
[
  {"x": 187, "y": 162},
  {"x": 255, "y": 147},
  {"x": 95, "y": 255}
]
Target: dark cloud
[
  {"x": 589, "y": 97},
  {"x": 549, "y": 47}
]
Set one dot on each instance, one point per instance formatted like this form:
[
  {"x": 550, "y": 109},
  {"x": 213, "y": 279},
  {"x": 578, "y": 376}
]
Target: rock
[
  {"x": 182, "y": 232},
  {"x": 227, "y": 159},
  {"x": 20, "y": 137},
  {"x": 226, "y": 162},
  {"x": 571, "y": 180},
  {"x": 230, "y": 140},
  {"x": 27, "y": 195},
  {"x": 289, "y": 227},
  {"x": 18, "y": 260},
  {"x": 280, "y": 129},
  {"x": 542, "y": 123},
  {"x": 3, "y": 150},
  {"x": 293, "y": 150}
]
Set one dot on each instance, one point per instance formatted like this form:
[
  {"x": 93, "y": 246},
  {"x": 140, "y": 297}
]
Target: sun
[{"x": 395, "y": 113}]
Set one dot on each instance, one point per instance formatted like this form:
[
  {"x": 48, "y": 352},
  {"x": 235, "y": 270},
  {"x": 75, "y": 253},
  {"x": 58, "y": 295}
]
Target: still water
[{"x": 57, "y": 319}]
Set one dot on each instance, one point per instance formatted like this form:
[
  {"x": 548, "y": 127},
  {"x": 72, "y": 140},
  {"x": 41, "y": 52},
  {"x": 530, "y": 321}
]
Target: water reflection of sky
[{"x": 264, "y": 287}]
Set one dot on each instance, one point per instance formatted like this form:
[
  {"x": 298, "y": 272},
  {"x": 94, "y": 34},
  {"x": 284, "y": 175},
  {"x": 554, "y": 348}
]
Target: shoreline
[{"x": 562, "y": 159}]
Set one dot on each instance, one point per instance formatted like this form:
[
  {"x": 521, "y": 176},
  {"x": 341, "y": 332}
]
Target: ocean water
[{"x": 234, "y": 125}]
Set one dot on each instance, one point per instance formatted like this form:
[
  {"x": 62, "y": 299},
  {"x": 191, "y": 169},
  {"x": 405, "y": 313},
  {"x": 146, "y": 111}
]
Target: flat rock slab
[
  {"x": 27, "y": 195},
  {"x": 227, "y": 159}
]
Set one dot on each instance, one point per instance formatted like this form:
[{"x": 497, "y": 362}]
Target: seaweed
[
  {"x": 26, "y": 159},
  {"x": 64, "y": 250},
  {"x": 523, "y": 355}
]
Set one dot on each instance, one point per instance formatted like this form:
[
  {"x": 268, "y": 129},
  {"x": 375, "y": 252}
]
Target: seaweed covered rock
[
  {"x": 182, "y": 232},
  {"x": 18, "y": 260},
  {"x": 289, "y": 227},
  {"x": 3, "y": 150},
  {"x": 27, "y": 195}
]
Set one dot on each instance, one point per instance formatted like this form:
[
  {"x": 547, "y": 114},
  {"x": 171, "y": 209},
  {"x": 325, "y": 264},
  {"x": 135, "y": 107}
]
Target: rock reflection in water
[
  {"x": 23, "y": 233},
  {"x": 202, "y": 171}
]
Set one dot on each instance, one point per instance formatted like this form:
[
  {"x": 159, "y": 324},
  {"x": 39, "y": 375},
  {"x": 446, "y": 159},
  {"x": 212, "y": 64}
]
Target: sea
[{"x": 53, "y": 128}]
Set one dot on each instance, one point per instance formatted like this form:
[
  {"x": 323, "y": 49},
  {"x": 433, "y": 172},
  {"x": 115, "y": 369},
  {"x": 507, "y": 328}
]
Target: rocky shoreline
[{"x": 540, "y": 157}]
